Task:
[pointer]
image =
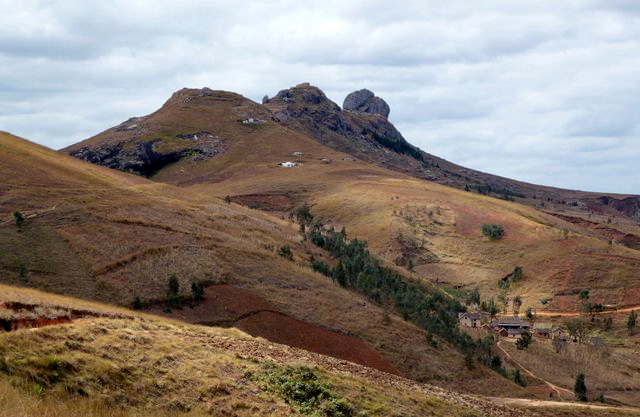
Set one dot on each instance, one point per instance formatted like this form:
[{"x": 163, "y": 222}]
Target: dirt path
[
  {"x": 558, "y": 404},
  {"x": 577, "y": 313},
  {"x": 551, "y": 385}
]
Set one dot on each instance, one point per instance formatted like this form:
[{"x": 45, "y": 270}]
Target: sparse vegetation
[
  {"x": 357, "y": 269},
  {"x": 493, "y": 231}
]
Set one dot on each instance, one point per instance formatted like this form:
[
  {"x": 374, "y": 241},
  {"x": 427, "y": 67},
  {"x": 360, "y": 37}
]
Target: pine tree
[
  {"x": 631, "y": 322},
  {"x": 580, "y": 388}
]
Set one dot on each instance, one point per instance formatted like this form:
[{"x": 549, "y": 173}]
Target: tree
[
  {"x": 517, "y": 303},
  {"x": 474, "y": 296},
  {"x": 468, "y": 360},
  {"x": 577, "y": 329},
  {"x": 559, "y": 344},
  {"x": 584, "y": 294},
  {"x": 631, "y": 322},
  {"x": 172, "y": 291},
  {"x": 580, "y": 388},
  {"x": 23, "y": 272},
  {"x": 493, "y": 231},
  {"x": 303, "y": 214},
  {"x": 493, "y": 309},
  {"x": 504, "y": 299},
  {"x": 137, "y": 303},
  {"x": 523, "y": 341},
  {"x": 529, "y": 313},
  {"x": 227, "y": 199},
  {"x": 517, "y": 274},
  {"x": 19, "y": 218},
  {"x": 607, "y": 323},
  {"x": 197, "y": 291}
]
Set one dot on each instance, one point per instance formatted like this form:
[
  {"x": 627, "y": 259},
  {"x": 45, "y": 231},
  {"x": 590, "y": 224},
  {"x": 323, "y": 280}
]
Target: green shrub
[
  {"x": 301, "y": 387},
  {"x": 285, "y": 252},
  {"x": 137, "y": 303},
  {"x": 493, "y": 231},
  {"x": 19, "y": 218}
]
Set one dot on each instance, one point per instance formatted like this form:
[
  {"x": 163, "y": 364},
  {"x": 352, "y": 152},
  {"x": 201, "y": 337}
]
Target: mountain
[
  {"x": 322, "y": 229},
  {"x": 357, "y": 171}
]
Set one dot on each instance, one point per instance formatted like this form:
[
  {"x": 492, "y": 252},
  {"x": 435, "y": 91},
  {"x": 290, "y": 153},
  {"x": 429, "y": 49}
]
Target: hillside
[
  {"x": 99, "y": 234},
  {"x": 124, "y": 363}
]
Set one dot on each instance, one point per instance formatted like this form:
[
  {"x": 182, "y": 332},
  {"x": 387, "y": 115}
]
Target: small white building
[
  {"x": 474, "y": 319},
  {"x": 288, "y": 164}
]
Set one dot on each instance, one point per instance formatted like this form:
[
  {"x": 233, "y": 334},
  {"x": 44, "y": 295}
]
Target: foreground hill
[{"x": 114, "y": 362}]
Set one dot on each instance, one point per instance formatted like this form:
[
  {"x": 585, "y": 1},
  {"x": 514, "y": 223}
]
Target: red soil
[
  {"x": 226, "y": 305},
  {"x": 10, "y": 325},
  {"x": 268, "y": 202},
  {"x": 286, "y": 330}
]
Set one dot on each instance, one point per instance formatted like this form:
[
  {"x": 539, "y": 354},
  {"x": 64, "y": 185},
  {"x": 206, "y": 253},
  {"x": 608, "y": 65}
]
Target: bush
[
  {"x": 493, "y": 231},
  {"x": 517, "y": 378},
  {"x": 137, "y": 303},
  {"x": 301, "y": 387},
  {"x": 523, "y": 341},
  {"x": 303, "y": 214},
  {"x": 517, "y": 274},
  {"x": 285, "y": 252},
  {"x": 19, "y": 218}
]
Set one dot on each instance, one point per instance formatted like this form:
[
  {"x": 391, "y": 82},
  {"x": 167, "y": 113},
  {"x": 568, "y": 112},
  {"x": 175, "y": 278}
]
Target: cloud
[{"x": 539, "y": 91}]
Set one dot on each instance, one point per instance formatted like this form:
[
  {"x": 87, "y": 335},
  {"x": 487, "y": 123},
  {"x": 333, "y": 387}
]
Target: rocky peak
[{"x": 365, "y": 101}]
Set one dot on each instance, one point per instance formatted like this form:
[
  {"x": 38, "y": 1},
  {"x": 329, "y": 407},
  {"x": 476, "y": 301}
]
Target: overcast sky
[{"x": 542, "y": 91}]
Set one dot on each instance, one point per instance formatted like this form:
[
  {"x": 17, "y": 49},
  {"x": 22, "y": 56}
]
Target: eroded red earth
[{"x": 231, "y": 306}]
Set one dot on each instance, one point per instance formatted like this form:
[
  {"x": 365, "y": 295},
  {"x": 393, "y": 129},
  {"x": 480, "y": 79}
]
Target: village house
[
  {"x": 511, "y": 326},
  {"x": 288, "y": 164},
  {"x": 473, "y": 319},
  {"x": 542, "y": 330}
]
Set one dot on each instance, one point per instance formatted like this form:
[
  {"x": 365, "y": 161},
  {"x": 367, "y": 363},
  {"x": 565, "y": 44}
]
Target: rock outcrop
[{"x": 365, "y": 101}]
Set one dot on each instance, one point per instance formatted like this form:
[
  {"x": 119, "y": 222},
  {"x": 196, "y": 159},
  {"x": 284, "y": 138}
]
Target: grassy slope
[{"x": 146, "y": 365}]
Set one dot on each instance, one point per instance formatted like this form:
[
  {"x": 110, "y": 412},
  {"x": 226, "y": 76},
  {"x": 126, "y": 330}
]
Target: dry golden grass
[{"x": 610, "y": 371}]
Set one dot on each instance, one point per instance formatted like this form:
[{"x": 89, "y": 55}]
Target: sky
[{"x": 546, "y": 92}]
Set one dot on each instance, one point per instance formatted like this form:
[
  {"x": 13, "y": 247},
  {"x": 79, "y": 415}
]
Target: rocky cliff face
[
  {"x": 365, "y": 101},
  {"x": 363, "y": 132}
]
